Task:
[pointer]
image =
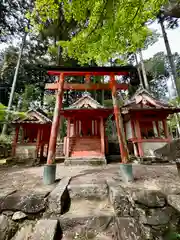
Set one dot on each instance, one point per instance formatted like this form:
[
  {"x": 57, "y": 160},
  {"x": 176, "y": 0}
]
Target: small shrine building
[
  {"x": 144, "y": 120},
  {"x": 32, "y": 135},
  {"x": 86, "y": 139},
  {"x": 145, "y": 123}
]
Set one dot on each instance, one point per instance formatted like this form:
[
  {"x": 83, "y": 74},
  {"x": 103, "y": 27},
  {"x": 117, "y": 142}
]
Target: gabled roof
[
  {"x": 143, "y": 98},
  {"x": 37, "y": 116},
  {"x": 85, "y": 102}
]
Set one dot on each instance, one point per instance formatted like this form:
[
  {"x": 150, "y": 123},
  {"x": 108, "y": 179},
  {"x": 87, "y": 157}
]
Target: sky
[
  {"x": 159, "y": 46},
  {"x": 174, "y": 41}
]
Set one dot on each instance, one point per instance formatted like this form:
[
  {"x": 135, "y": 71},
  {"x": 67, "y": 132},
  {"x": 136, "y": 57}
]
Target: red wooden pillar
[
  {"x": 119, "y": 123},
  {"x": 75, "y": 125},
  {"x": 68, "y": 136},
  {"x": 138, "y": 131},
  {"x": 158, "y": 130},
  {"x": 166, "y": 130},
  {"x": 38, "y": 141},
  {"x": 56, "y": 121},
  {"x": 77, "y": 128},
  {"x": 102, "y": 136},
  {"x": 23, "y": 134},
  {"x": 132, "y": 128},
  {"x": 15, "y": 141}
]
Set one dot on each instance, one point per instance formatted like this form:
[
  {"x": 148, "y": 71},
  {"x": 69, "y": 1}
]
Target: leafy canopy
[{"x": 105, "y": 27}]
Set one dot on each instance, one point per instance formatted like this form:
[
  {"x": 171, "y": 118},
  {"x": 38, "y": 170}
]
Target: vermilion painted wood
[
  {"x": 38, "y": 141},
  {"x": 140, "y": 149},
  {"x": 76, "y": 73},
  {"x": 15, "y": 141},
  {"x": 87, "y": 114},
  {"x": 86, "y": 86},
  {"x": 122, "y": 144},
  {"x": 56, "y": 122},
  {"x": 136, "y": 140},
  {"x": 102, "y": 136}
]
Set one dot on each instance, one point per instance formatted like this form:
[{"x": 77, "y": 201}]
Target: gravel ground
[{"x": 158, "y": 177}]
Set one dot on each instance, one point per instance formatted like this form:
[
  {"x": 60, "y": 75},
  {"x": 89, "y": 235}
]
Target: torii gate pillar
[{"x": 50, "y": 168}]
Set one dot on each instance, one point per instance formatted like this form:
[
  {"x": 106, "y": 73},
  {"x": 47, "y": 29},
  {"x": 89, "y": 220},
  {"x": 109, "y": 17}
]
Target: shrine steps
[
  {"x": 85, "y": 146},
  {"x": 91, "y": 215},
  {"x": 94, "y": 160}
]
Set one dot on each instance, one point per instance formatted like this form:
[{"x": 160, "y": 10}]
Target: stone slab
[
  {"x": 85, "y": 161},
  {"x": 7, "y": 227},
  {"x": 88, "y": 191},
  {"x": 127, "y": 229},
  {"x": 149, "y": 198},
  {"x": 44, "y": 189},
  {"x": 93, "y": 223},
  {"x": 4, "y": 225},
  {"x": 23, "y": 202},
  {"x": 156, "y": 216},
  {"x": 24, "y": 233},
  {"x": 84, "y": 235},
  {"x": 45, "y": 229},
  {"x": 120, "y": 200},
  {"x": 58, "y": 198},
  {"x": 18, "y": 216},
  {"x": 174, "y": 201},
  {"x": 5, "y": 192}
]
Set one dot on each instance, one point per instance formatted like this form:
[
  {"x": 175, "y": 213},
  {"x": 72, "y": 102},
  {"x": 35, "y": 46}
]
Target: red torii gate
[{"x": 61, "y": 85}]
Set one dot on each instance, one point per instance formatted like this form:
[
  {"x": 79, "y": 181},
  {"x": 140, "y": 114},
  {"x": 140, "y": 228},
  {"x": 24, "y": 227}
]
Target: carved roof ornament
[
  {"x": 146, "y": 99},
  {"x": 86, "y": 93},
  {"x": 86, "y": 101},
  {"x": 37, "y": 116}
]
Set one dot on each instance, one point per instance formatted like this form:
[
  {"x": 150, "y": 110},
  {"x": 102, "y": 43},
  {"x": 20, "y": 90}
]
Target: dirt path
[{"x": 160, "y": 177}]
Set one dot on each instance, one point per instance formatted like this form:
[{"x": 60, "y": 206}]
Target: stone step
[
  {"x": 93, "y": 161},
  {"x": 88, "y": 235},
  {"x": 87, "y": 217},
  {"x": 81, "y": 153},
  {"x": 87, "y": 146},
  {"x": 88, "y": 191},
  {"x": 44, "y": 229}
]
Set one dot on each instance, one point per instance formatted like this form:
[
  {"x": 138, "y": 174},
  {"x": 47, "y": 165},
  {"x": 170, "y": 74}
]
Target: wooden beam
[{"x": 86, "y": 86}]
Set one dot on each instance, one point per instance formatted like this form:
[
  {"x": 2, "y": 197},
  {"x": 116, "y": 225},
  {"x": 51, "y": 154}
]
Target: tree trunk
[
  {"x": 146, "y": 84},
  {"x": 14, "y": 83},
  {"x": 169, "y": 54},
  {"x": 102, "y": 97},
  {"x": 139, "y": 72}
]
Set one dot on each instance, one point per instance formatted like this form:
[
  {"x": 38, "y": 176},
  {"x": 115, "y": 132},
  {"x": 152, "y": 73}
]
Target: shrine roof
[
  {"x": 144, "y": 99},
  {"x": 85, "y": 102},
  {"x": 36, "y": 116}
]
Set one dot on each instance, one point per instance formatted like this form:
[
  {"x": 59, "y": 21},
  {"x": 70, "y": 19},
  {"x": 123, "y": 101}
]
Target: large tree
[
  {"x": 12, "y": 18},
  {"x": 104, "y": 27}
]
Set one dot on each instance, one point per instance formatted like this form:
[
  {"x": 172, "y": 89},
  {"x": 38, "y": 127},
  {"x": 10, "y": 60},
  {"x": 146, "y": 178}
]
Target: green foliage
[
  {"x": 12, "y": 18},
  {"x": 173, "y": 236},
  {"x": 29, "y": 98},
  {"x": 104, "y": 27},
  {"x": 49, "y": 103},
  {"x": 2, "y": 112},
  {"x": 5, "y": 141},
  {"x": 12, "y": 114}
]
